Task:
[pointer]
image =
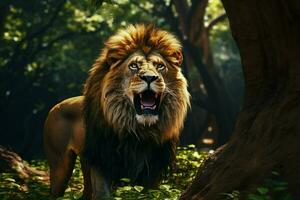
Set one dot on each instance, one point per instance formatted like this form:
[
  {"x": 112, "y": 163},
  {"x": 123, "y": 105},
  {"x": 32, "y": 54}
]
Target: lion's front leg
[{"x": 100, "y": 186}]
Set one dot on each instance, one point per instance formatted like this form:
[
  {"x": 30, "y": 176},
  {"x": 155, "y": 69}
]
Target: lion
[{"x": 128, "y": 121}]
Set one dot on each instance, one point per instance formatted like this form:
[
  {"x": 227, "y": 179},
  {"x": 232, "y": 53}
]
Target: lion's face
[
  {"x": 138, "y": 85},
  {"x": 145, "y": 85}
]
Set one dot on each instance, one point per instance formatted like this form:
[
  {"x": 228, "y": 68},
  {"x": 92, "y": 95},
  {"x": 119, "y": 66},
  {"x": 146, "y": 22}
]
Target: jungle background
[{"x": 46, "y": 50}]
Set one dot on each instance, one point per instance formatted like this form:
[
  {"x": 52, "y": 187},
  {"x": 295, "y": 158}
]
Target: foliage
[
  {"x": 188, "y": 161},
  {"x": 273, "y": 188},
  {"x": 12, "y": 187}
]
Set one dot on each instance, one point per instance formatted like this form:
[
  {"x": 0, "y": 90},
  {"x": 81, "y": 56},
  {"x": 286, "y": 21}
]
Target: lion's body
[
  {"x": 128, "y": 122},
  {"x": 64, "y": 137}
]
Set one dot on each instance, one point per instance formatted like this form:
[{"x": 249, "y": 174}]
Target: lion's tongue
[{"x": 148, "y": 99}]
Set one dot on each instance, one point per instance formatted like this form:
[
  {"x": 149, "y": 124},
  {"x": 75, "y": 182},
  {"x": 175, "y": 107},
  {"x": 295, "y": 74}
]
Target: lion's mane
[{"x": 115, "y": 142}]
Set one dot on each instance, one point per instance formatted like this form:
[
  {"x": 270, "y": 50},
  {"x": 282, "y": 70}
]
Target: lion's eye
[
  {"x": 160, "y": 66},
  {"x": 133, "y": 66}
]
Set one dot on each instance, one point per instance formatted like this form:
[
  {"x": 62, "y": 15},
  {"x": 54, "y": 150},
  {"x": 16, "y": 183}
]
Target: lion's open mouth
[{"x": 147, "y": 103}]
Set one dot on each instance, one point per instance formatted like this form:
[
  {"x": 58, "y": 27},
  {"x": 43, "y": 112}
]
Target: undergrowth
[{"x": 188, "y": 161}]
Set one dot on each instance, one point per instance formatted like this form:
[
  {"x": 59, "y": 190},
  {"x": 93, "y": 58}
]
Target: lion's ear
[
  {"x": 111, "y": 60},
  {"x": 178, "y": 58}
]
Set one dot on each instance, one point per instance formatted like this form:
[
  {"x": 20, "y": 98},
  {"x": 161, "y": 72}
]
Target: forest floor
[
  {"x": 187, "y": 163},
  {"x": 12, "y": 187}
]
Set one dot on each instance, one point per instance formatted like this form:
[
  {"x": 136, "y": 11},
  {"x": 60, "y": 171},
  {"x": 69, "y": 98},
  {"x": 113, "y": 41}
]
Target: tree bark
[
  {"x": 267, "y": 131},
  {"x": 12, "y": 162}
]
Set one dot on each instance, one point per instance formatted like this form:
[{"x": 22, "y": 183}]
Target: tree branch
[
  {"x": 182, "y": 11},
  {"x": 52, "y": 42},
  {"x": 49, "y": 24},
  {"x": 17, "y": 49},
  {"x": 10, "y": 161},
  {"x": 63, "y": 36},
  {"x": 196, "y": 16},
  {"x": 215, "y": 21},
  {"x": 97, "y": 3},
  {"x": 3, "y": 14}
]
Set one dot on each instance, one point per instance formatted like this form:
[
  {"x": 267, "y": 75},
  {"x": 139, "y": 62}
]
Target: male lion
[{"x": 128, "y": 121}]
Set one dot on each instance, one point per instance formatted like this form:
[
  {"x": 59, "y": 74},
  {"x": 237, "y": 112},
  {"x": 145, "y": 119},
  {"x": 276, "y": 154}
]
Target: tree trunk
[
  {"x": 12, "y": 162},
  {"x": 220, "y": 103},
  {"x": 196, "y": 42},
  {"x": 267, "y": 131}
]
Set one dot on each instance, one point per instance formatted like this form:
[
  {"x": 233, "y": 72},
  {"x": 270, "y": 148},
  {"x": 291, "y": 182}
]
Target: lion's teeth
[
  {"x": 140, "y": 95},
  {"x": 156, "y": 95}
]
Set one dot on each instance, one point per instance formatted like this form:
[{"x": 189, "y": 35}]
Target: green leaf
[
  {"x": 126, "y": 180},
  {"x": 10, "y": 179},
  {"x": 255, "y": 197},
  {"x": 262, "y": 190},
  {"x": 138, "y": 188}
]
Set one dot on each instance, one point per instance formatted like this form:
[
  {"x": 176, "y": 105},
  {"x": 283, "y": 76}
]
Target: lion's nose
[{"x": 149, "y": 79}]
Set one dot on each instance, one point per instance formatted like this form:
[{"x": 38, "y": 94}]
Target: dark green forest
[{"x": 47, "y": 48}]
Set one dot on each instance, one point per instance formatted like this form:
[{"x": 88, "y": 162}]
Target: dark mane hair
[{"x": 143, "y": 162}]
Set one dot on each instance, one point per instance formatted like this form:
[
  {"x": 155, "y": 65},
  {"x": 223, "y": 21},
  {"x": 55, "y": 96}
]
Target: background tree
[
  {"x": 193, "y": 22},
  {"x": 267, "y": 130}
]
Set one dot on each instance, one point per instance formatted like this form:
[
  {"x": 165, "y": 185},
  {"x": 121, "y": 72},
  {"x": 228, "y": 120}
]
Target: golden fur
[
  {"x": 104, "y": 92},
  {"x": 103, "y": 126}
]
